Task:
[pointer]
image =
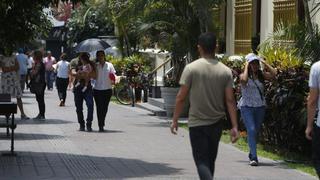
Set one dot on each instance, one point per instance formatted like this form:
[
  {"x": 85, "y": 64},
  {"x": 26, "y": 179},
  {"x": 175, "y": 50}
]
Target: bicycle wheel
[{"x": 123, "y": 95}]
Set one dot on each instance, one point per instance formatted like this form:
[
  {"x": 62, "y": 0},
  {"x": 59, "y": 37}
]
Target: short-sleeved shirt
[
  {"x": 314, "y": 82},
  {"x": 30, "y": 62},
  {"x": 207, "y": 80},
  {"x": 23, "y": 63},
  {"x": 251, "y": 96},
  {"x": 74, "y": 63},
  {"x": 103, "y": 81},
  {"x": 63, "y": 69},
  {"x": 48, "y": 62}
]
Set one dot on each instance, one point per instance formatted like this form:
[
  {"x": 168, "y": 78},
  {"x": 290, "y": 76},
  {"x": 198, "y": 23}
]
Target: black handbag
[{"x": 36, "y": 88}]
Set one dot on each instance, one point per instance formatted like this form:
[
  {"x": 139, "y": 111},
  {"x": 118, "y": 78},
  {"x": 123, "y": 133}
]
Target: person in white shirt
[
  {"x": 102, "y": 90},
  {"x": 29, "y": 68},
  {"x": 62, "y": 81},
  {"x": 49, "y": 61},
  {"x": 313, "y": 119}
]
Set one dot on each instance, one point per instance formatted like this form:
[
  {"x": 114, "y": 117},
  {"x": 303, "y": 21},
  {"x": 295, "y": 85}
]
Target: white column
[
  {"x": 315, "y": 17},
  {"x": 230, "y": 27},
  {"x": 266, "y": 19}
]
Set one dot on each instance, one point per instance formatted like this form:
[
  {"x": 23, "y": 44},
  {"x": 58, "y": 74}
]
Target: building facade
[{"x": 253, "y": 21}]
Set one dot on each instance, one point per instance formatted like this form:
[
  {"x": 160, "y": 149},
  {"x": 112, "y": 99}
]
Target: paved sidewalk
[{"x": 135, "y": 145}]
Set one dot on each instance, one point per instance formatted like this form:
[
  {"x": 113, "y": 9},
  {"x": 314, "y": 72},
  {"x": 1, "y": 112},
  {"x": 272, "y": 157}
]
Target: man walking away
[
  {"x": 23, "y": 67},
  {"x": 313, "y": 129},
  {"x": 209, "y": 84}
]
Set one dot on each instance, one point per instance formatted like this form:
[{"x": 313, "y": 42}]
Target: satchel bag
[{"x": 36, "y": 88}]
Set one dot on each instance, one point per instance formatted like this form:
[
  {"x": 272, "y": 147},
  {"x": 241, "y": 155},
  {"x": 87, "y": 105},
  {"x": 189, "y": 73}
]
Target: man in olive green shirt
[{"x": 209, "y": 84}]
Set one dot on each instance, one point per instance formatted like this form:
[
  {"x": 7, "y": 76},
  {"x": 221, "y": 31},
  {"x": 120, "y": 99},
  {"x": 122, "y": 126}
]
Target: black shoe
[
  {"x": 39, "y": 117},
  {"x": 81, "y": 128},
  {"x": 89, "y": 129},
  {"x": 101, "y": 129}
]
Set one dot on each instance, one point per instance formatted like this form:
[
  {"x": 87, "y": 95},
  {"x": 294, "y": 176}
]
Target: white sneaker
[{"x": 253, "y": 163}]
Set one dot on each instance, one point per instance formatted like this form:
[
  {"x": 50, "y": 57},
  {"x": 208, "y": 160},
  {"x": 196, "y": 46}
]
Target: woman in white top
[
  {"x": 62, "y": 81},
  {"x": 102, "y": 90},
  {"x": 252, "y": 102}
]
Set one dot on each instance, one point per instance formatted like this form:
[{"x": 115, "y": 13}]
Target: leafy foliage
[
  {"x": 22, "y": 21},
  {"x": 171, "y": 25},
  {"x": 90, "y": 20},
  {"x": 286, "y": 97}
]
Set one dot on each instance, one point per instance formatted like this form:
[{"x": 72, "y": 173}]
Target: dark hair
[
  {"x": 38, "y": 55},
  {"x": 259, "y": 73},
  {"x": 208, "y": 42},
  {"x": 63, "y": 56},
  {"x": 100, "y": 51},
  {"x": 86, "y": 57}
]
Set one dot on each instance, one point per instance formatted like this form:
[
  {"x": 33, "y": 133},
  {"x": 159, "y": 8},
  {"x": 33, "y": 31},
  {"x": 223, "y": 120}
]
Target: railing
[{"x": 153, "y": 73}]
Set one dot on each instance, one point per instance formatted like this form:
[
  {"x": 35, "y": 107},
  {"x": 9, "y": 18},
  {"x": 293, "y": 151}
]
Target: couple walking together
[{"x": 101, "y": 74}]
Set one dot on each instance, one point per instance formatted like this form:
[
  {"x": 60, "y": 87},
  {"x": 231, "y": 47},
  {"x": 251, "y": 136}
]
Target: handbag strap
[{"x": 258, "y": 89}]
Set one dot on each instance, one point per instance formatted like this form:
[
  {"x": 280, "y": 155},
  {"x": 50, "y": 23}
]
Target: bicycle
[{"x": 125, "y": 90}]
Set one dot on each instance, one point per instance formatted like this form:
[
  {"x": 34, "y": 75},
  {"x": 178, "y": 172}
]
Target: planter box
[{"x": 169, "y": 95}]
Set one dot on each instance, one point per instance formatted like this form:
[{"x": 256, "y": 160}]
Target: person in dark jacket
[{"x": 38, "y": 83}]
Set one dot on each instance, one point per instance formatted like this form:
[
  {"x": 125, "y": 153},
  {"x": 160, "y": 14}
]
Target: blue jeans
[
  {"x": 253, "y": 118},
  {"x": 50, "y": 79},
  {"x": 87, "y": 96}
]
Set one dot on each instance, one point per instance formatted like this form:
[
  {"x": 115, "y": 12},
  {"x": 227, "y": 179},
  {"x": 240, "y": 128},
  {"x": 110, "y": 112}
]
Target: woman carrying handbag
[
  {"x": 38, "y": 84},
  {"x": 252, "y": 102}
]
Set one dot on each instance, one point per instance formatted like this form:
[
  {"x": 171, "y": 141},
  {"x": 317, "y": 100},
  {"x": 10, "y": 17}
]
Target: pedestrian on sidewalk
[
  {"x": 10, "y": 79},
  {"x": 102, "y": 90},
  {"x": 62, "y": 81},
  {"x": 313, "y": 128},
  {"x": 38, "y": 83},
  {"x": 207, "y": 104},
  {"x": 23, "y": 67},
  {"x": 252, "y": 102},
  {"x": 80, "y": 96},
  {"x": 49, "y": 61},
  {"x": 29, "y": 68}
]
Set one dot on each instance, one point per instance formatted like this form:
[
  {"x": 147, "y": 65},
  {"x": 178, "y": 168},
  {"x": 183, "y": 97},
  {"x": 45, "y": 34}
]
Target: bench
[{"x": 8, "y": 109}]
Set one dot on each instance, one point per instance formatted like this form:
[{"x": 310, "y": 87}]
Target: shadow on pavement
[
  {"x": 154, "y": 124},
  {"x": 24, "y": 136},
  {"x": 106, "y": 131},
  {"x": 46, "y": 121},
  {"x": 261, "y": 163},
  {"x": 43, "y": 165}
]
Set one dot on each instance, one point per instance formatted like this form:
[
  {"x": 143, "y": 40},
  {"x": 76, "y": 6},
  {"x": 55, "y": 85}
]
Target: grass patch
[
  {"x": 183, "y": 125},
  {"x": 292, "y": 160}
]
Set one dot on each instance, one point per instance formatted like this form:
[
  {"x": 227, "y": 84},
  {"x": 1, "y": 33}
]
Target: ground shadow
[
  {"x": 163, "y": 124},
  {"x": 106, "y": 131},
  {"x": 261, "y": 163},
  {"x": 40, "y": 165},
  {"x": 29, "y": 136},
  {"x": 46, "y": 121}
]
